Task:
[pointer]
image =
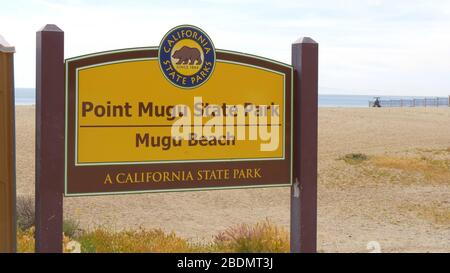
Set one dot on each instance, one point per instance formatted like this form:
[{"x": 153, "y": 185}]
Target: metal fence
[{"x": 422, "y": 102}]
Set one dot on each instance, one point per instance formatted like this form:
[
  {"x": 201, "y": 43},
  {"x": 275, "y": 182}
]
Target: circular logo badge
[{"x": 187, "y": 56}]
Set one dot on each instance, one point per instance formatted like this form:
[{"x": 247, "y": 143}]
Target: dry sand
[{"x": 354, "y": 207}]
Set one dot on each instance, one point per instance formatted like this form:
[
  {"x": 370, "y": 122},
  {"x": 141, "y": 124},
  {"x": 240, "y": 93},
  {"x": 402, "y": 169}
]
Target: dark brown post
[
  {"x": 304, "y": 190},
  {"x": 49, "y": 138},
  {"x": 7, "y": 150}
]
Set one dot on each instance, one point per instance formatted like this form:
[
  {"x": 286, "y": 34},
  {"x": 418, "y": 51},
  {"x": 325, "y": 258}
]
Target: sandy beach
[{"x": 399, "y": 197}]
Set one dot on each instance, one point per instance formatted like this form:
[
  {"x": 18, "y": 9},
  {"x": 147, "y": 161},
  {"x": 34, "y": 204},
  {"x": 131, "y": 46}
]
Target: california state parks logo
[{"x": 187, "y": 56}]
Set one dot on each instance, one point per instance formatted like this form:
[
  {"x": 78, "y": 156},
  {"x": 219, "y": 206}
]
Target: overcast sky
[{"x": 392, "y": 47}]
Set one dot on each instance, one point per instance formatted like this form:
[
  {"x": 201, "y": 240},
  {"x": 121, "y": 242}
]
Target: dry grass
[
  {"x": 415, "y": 167},
  {"x": 434, "y": 212},
  {"x": 25, "y": 240},
  {"x": 432, "y": 170},
  {"x": 262, "y": 237}
]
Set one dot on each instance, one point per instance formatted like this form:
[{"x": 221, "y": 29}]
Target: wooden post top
[
  {"x": 305, "y": 40},
  {"x": 50, "y": 28},
  {"x": 5, "y": 47}
]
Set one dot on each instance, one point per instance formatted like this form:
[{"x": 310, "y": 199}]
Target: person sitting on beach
[{"x": 376, "y": 103}]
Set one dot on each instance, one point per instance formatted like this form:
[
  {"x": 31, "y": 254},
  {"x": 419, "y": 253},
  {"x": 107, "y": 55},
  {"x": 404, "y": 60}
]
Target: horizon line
[{"x": 342, "y": 94}]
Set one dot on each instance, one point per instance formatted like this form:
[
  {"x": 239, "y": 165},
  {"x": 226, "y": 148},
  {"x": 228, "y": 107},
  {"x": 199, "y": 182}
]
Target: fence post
[
  {"x": 7, "y": 150},
  {"x": 50, "y": 101},
  {"x": 304, "y": 191}
]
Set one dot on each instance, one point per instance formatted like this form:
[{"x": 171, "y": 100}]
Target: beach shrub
[
  {"x": 354, "y": 158},
  {"x": 25, "y": 212},
  {"x": 262, "y": 237},
  {"x": 71, "y": 228}
]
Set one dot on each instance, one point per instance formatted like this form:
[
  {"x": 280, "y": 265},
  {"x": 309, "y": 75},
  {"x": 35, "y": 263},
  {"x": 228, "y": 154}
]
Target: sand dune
[{"x": 404, "y": 211}]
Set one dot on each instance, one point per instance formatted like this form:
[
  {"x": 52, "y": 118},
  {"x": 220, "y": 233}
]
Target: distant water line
[{"x": 27, "y": 96}]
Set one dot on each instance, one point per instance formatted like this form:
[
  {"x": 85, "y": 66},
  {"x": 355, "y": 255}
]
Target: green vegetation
[
  {"x": 71, "y": 228},
  {"x": 25, "y": 217},
  {"x": 261, "y": 237},
  {"x": 354, "y": 158}
]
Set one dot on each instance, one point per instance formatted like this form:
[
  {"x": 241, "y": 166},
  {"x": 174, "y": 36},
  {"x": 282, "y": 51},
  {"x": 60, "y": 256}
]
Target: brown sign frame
[{"x": 79, "y": 179}]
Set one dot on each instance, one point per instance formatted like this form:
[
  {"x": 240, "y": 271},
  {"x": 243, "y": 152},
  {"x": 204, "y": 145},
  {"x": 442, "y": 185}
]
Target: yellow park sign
[
  {"x": 181, "y": 116},
  {"x": 135, "y": 126}
]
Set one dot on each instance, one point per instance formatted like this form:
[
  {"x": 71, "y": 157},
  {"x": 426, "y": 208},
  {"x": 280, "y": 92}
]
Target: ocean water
[
  {"x": 344, "y": 100},
  {"x": 27, "y": 96}
]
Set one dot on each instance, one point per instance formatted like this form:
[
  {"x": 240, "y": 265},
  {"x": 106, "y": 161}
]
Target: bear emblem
[{"x": 188, "y": 55}]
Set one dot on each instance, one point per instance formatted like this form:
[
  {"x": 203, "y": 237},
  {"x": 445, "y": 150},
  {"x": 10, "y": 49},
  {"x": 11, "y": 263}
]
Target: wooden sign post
[
  {"x": 179, "y": 117},
  {"x": 7, "y": 150},
  {"x": 49, "y": 138},
  {"x": 304, "y": 190}
]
